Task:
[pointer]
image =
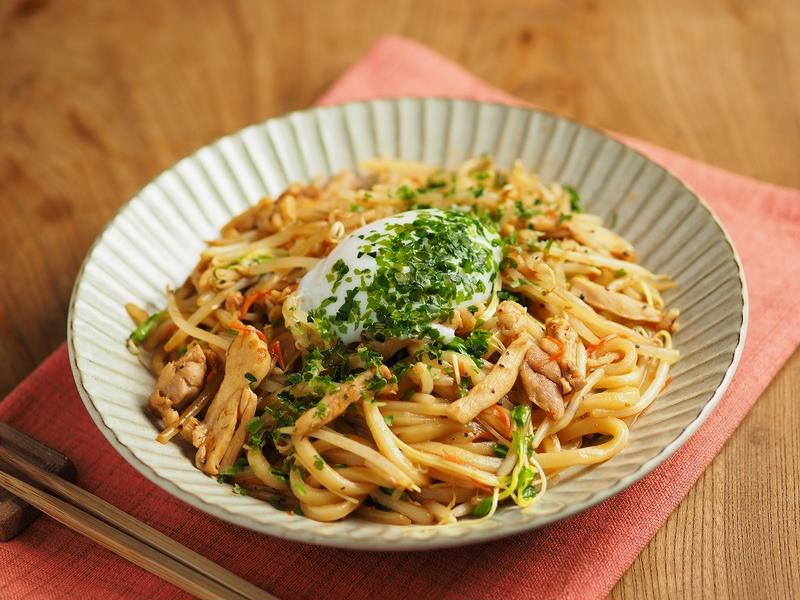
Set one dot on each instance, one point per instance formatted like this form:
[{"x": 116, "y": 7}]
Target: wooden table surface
[{"x": 98, "y": 97}]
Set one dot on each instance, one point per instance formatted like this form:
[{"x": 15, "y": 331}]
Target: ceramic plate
[{"x": 156, "y": 238}]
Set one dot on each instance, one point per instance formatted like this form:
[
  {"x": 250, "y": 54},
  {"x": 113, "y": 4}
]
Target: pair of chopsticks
[{"x": 124, "y": 535}]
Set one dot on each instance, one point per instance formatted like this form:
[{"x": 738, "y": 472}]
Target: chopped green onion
[
  {"x": 280, "y": 475},
  {"x": 500, "y": 450},
  {"x": 574, "y": 199},
  {"x": 406, "y": 193},
  {"x": 520, "y": 414},
  {"x": 483, "y": 507},
  {"x": 141, "y": 333}
]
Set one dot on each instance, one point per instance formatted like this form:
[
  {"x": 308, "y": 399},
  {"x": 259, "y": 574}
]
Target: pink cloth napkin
[{"x": 581, "y": 557}]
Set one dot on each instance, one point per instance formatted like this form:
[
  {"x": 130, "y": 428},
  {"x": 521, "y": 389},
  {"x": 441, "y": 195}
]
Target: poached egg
[{"x": 402, "y": 277}]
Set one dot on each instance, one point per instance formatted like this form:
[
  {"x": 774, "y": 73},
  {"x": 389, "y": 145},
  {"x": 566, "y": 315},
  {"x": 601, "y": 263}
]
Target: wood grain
[
  {"x": 98, "y": 97},
  {"x": 16, "y": 514}
]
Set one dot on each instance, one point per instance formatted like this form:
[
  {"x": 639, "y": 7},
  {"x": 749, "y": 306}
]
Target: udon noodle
[{"x": 571, "y": 343}]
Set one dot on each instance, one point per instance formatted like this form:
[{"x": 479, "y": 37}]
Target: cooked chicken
[
  {"x": 332, "y": 405},
  {"x": 513, "y": 319},
  {"x": 543, "y": 392},
  {"x": 178, "y": 382},
  {"x": 621, "y": 305},
  {"x": 567, "y": 356},
  {"x": 573, "y": 377},
  {"x": 510, "y": 318},
  {"x": 491, "y": 389},
  {"x": 600, "y": 238},
  {"x": 247, "y": 220},
  {"x": 541, "y": 362},
  {"x": 283, "y": 213},
  {"x": 233, "y": 301},
  {"x": 247, "y": 362}
]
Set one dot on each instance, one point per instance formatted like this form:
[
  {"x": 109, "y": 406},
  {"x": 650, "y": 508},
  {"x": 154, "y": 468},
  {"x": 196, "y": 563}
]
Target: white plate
[{"x": 155, "y": 239}]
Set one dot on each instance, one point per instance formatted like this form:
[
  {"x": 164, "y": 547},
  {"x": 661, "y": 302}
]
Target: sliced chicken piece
[
  {"x": 332, "y": 405},
  {"x": 510, "y": 318},
  {"x": 573, "y": 376},
  {"x": 233, "y": 301},
  {"x": 283, "y": 213},
  {"x": 600, "y": 238},
  {"x": 541, "y": 362},
  {"x": 597, "y": 296},
  {"x": 567, "y": 338},
  {"x": 248, "y": 219},
  {"x": 247, "y": 363},
  {"x": 513, "y": 319},
  {"x": 179, "y": 381},
  {"x": 543, "y": 392}
]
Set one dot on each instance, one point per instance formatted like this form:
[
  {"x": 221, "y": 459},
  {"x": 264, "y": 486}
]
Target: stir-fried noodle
[{"x": 451, "y": 358}]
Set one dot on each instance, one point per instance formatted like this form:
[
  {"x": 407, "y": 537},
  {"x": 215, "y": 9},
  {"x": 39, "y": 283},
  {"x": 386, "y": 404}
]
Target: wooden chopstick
[
  {"x": 120, "y": 543},
  {"x": 126, "y": 535}
]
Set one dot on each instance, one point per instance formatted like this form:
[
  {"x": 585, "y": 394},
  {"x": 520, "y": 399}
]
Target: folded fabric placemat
[{"x": 581, "y": 557}]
